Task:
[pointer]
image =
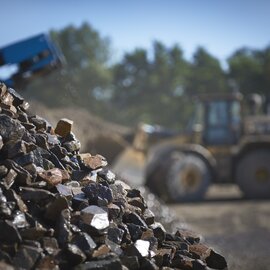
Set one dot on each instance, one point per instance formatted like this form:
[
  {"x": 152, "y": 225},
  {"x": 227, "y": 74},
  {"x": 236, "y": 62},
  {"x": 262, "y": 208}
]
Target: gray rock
[{"x": 95, "y": 217}]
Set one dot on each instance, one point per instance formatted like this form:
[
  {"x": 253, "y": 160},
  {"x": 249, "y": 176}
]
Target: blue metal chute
[{"x": 35, "y": 55}]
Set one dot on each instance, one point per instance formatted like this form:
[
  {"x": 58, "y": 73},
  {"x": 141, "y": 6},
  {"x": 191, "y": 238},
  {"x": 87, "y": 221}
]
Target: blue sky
[{"x": 220, "y": 26}]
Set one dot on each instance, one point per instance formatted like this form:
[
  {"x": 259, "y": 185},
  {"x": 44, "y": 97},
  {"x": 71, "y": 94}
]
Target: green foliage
[
  {"x": 153, "y": 86},
  {"x": 148, "y": 89},
  {"x": 206, "y": 75},
  {"x": 85, "y": 78},
  {"x": 250, "y": 70}
]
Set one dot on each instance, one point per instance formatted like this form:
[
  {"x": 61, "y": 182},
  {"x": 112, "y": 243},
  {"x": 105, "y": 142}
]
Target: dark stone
[
  {"x": 113, "y": 211},
  {"x": 79, "y": 175},
  {"x": 84, "y": 242},
  {"x": 135, "y": 231},
  {"x": 131, "y": 262},
  {"x": 115, "y": 248},
  {"x": 175, "y": 244},
  {"x": 41, "y": 141},
  {"x": 63, "y": 232},
  {"x": 7, "y": 110},
  {"x": 4, "y": 257},
  {"x": 72, "y": 146},
  {"x": 23, "y": 177},
  {"x": 69, "y": 137},
  {"x": 32, "y": 169},
  {"x": 126, "y": 236},
  {"x": 148, "y": 217},
  {"x": 199, "y": 265},
  {"x": 10, "y": 129},
  {"x": 9, "y": 233},
  {"x": 216, "y": 261},
  {"x": 48, "y": 262},
  {"x": 182, "y": 262},
  {"x": 33, "y": 233},
  {"x": 39, "y": 122},
  {"x": 107, "y": 175},
  {"x": 133, "y": 193},
  {"x": 26, "y": 257},
  {"x": 79, "y": 201},
  {"x": 109, "y": 262},
  {"x": 22, "y": 117},
  {"x": 115, "y": 235},
  {"x": 159, "y": 231},
  {"x": 98, "y": 194},
  {"x": 31, "y": 243},
  {"x": 74, "y": 254},
  {"x": 146, "y": 264},
  {"x": 137, "y": 202},
  {"x": 30, "y": 127},
  {"x": 47, "y": 164},
  {"x": 70, "y": 163},
  {"x": 17, "y": 98},
  {"x": 134, "y": 219},
  {"x": 64, "y": 190},
  {"x": 59, "y": 151},
  {"x": 189, "y": 236},
  {"x": 14, "y": 149},
  {"x": 35, "y": 194},
  {"x": 9, "y": 179},
  {"x": 54, "y": 209},
  {"x": 50, "y": 245}
]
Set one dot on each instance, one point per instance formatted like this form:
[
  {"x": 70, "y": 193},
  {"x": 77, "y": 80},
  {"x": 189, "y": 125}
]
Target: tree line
[{"x": 153, "y": 86}]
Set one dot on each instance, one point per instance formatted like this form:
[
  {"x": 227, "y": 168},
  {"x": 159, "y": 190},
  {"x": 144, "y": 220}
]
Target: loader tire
[
  {"x": 253, "y": 174},
  {"x": 180, "y": 178}
]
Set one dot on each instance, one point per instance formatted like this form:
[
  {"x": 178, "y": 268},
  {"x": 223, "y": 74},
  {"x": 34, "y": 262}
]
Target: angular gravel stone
[
  {"x": 108, "y": 263},
  {"x": 9, "y": 233},
  {"x": 98, "y": 194},
  {"x": 9, "y": 179},
  {"x": 84, "y": 242},
  {"x": 54, "y": 176},
  {"x": 26, "y": 257},
  {"x": 140, "y": 249},
  {"x": 216, "y": 261},
  {"x": 10, "y": 129},
  {"x": 63, "y": 127},
  {"x": 95, "y": 216},
  {"x": 93, "y": 162}
]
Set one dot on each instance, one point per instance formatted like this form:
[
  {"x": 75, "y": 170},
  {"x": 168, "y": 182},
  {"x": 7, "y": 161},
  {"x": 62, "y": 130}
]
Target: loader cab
[{"x": 218, "y": 119}]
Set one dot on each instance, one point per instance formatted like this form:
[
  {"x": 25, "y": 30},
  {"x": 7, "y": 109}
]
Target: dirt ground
[{"x": 237, "y": 228}]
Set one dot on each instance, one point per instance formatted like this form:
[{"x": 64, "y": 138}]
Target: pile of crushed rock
[{"x": 62, "y": 209}]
